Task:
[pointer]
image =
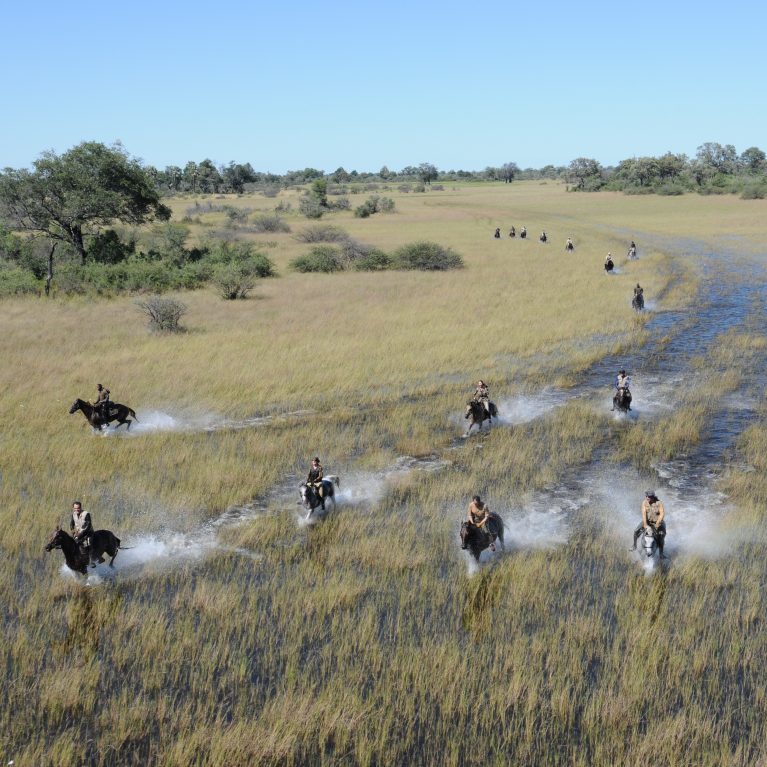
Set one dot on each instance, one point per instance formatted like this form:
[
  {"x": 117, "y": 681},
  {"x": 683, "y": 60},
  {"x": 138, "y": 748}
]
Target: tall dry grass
[{"x": 361, "y": 640}]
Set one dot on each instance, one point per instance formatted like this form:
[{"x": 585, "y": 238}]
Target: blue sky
[{"x": 361, "y": 85}]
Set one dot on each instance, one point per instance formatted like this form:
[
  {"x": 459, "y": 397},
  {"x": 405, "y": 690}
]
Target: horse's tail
[
  {"x": 334, "y": 480},
  {"x": 493, "y": 410}
]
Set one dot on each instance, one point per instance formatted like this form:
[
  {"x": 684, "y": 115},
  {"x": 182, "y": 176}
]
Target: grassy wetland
[{"x": 234, "y": 634}]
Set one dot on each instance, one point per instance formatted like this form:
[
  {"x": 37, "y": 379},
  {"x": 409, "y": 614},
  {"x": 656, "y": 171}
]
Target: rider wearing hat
[
  {"x": 622, "y": 381},
  {"x": 638, "y": 291},
  {"x": 314, "y": 477},
  {"x": 654, "y": 516},
  {"x": 478, "y": 516}
]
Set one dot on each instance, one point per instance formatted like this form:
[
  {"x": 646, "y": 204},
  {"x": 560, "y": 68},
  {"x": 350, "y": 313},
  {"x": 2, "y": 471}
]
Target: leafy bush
[
  {"x": 670, "y": 190},
  {"x": 15, "y": 281},
  {"x": 107, "y": 248},
  {"x": 322, "y": 233},
  {"x": 374, "y": 261},
  {"x": 374, "y": 204},
  {"x": 342, "y": 203},
  {"x": 239, "y": 251},
  {"x": 270, "y": 191},
  {"x": 234, "y": 280},
  {"x": 268, "y": 222},
  {"x": 283, "y": 207},
  {"x": 164, "y": 314},
  {"x": 427, "y": 256},
  {"x": 310, "y": 208},
  {"x": 754, "y": 192},
  {"x": 322, "y": 258}
]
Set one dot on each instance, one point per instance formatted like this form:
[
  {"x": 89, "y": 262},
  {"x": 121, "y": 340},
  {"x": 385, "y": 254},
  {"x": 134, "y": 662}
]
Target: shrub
[
  {"x": 427, "y": 256},
  {"x": 239, "y": 251},
  {"x": 164, "y": 314},
  {"x": 107, "y": 248},
  {"x": 322, "y": 258},
  {"x": 670, "y": 190},
  {"x": 18, "y": 282},
  {"x": 236, "y": 216},
  {"x": 374, "y": 204},
  {"x": 366, "y": 209},
  {"x": 269, "y": 222},
  {"x": 310, "y": 208},
  {"x": 234, "y": 280},
  {"x": 322, "y": 233},
  {"x": 374, "y": 261},
  {"x": 754, "y": 192},
  {"x": 270, "y": 191},
  {"x": 342, "y": 203},
  {"x": 283, "y": 207}
]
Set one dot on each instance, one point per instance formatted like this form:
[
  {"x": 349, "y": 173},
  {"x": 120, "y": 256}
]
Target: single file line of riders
[{"x": 654, "y": 519}]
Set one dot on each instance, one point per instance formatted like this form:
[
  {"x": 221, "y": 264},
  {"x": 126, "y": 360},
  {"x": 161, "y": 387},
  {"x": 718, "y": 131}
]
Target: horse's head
[
  {"x": 54, "y": 542},
  {"x": 649, "y": 543},
  {"x": 469, "y": 409},
  {"x": 464, "y": 533},
  {"x": 307, "y": 493},
  {"x": 75, "y": 406}
]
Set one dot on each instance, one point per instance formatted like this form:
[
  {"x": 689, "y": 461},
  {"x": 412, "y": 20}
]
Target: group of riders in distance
[
  {"x": 637, "y": 301},
  {"x": 479, "y": 531}
]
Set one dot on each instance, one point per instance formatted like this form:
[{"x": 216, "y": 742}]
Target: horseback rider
[
  {"x": 569, "y": 244},
  {"x": 632, "y": 250},
  {"x": 523, "y": 232},
  {"x": 543, "y": 237},
  {"x": 497, "y": 234},
  {"x": 102, "y": 402},
  {"x": 638, "y": 291},
  {"x": 478, "y": 516},
  {"x": 622, "y": 381},
  {"x": 654, "y": 516},
  {"x": 314, "y": 478},
  {"x": 82, "y": 527},
  {"x": 609, "y": 261},
  {"x": 512, "y": 232},
  {"x": 482, "y": 395}
]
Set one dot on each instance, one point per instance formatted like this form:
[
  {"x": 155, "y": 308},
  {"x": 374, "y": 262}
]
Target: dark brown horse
[
  {"x": 77, "y": 557},
  {"x": 114, "y": 410},
  {"x": 311, "y": 498},
  {"x": 476, "y": 412},
  {"x": 622, "y": 400},
  {"x": 477, "y": 539}
]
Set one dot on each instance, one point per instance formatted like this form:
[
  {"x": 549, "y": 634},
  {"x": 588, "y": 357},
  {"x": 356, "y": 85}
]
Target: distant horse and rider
[
  {"x": 479, "y": 408},
  {"x": 115, "y": 412},
  {"x": 481, "y": 529}
]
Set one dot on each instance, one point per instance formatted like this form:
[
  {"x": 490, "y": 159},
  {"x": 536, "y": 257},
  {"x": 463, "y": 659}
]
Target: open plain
[{"x": 233, "y": 633}]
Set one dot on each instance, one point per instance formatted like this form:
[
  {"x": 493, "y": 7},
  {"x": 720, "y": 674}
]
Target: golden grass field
[{"x": 363, "y": 639}]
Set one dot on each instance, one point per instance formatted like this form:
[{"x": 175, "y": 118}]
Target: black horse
[
  {"x": 79, "y": 557},
  {"x": 609, "y": 265},
  {"x": 311, "y": 498},
  {"x": 477, "y": 539},
  {"x": 114, "y": 412},
  {"x": 523, "y": 233},
  {"x": 475, "y": 410},
  {"x": 622, "y": 400},
  {"x": 497, "y": 234},
  {"x": 637, "y": 302},
  {"x": 543, "y": 237}
]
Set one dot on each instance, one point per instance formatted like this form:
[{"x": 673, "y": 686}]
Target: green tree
[
  {"x": 507, "y": 171},
  {"x": 586, "y": 172},
  {"x": 427, "y": 172},
  {"x": 753, "y": 159},
  {"x": 72, "y": 196}
]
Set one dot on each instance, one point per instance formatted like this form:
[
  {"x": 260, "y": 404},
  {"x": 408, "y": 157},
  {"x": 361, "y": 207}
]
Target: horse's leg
[{"x": 113, "y": 557}]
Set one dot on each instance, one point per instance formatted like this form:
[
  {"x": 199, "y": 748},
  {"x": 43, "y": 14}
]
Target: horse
[
  {"x": 622, "y": 400},
  {"x": 512, "y": 232},
  {"x": 523, "y": 233},
  {"x": 476, "y": 411},
  {"x": 497, "y": 234},
  {"x": 477, "y": 539},
  {"x": 543, "y": 237},
  {"x": 115, "y": 412},
  {"x": 311, "y": 498},
  {"x": 77, "y": 557},
  {"x": 632, "y": 254},
  {"x": 637, "y": 302},
  {"x": 569, "y": 246},
  {"x": 652, "y": 540},
  {"x": 609, "y": 265}
]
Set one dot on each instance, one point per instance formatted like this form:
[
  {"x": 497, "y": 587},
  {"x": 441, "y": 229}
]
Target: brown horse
[
  {"x": 115, "y": 412},
  {"x": 476, "y": 412},
  {"x": 77, "y": 557},
  {"x": 477, "y": 539}
]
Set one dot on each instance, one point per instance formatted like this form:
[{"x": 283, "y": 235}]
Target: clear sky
[{"x": 365, "y": 84}]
